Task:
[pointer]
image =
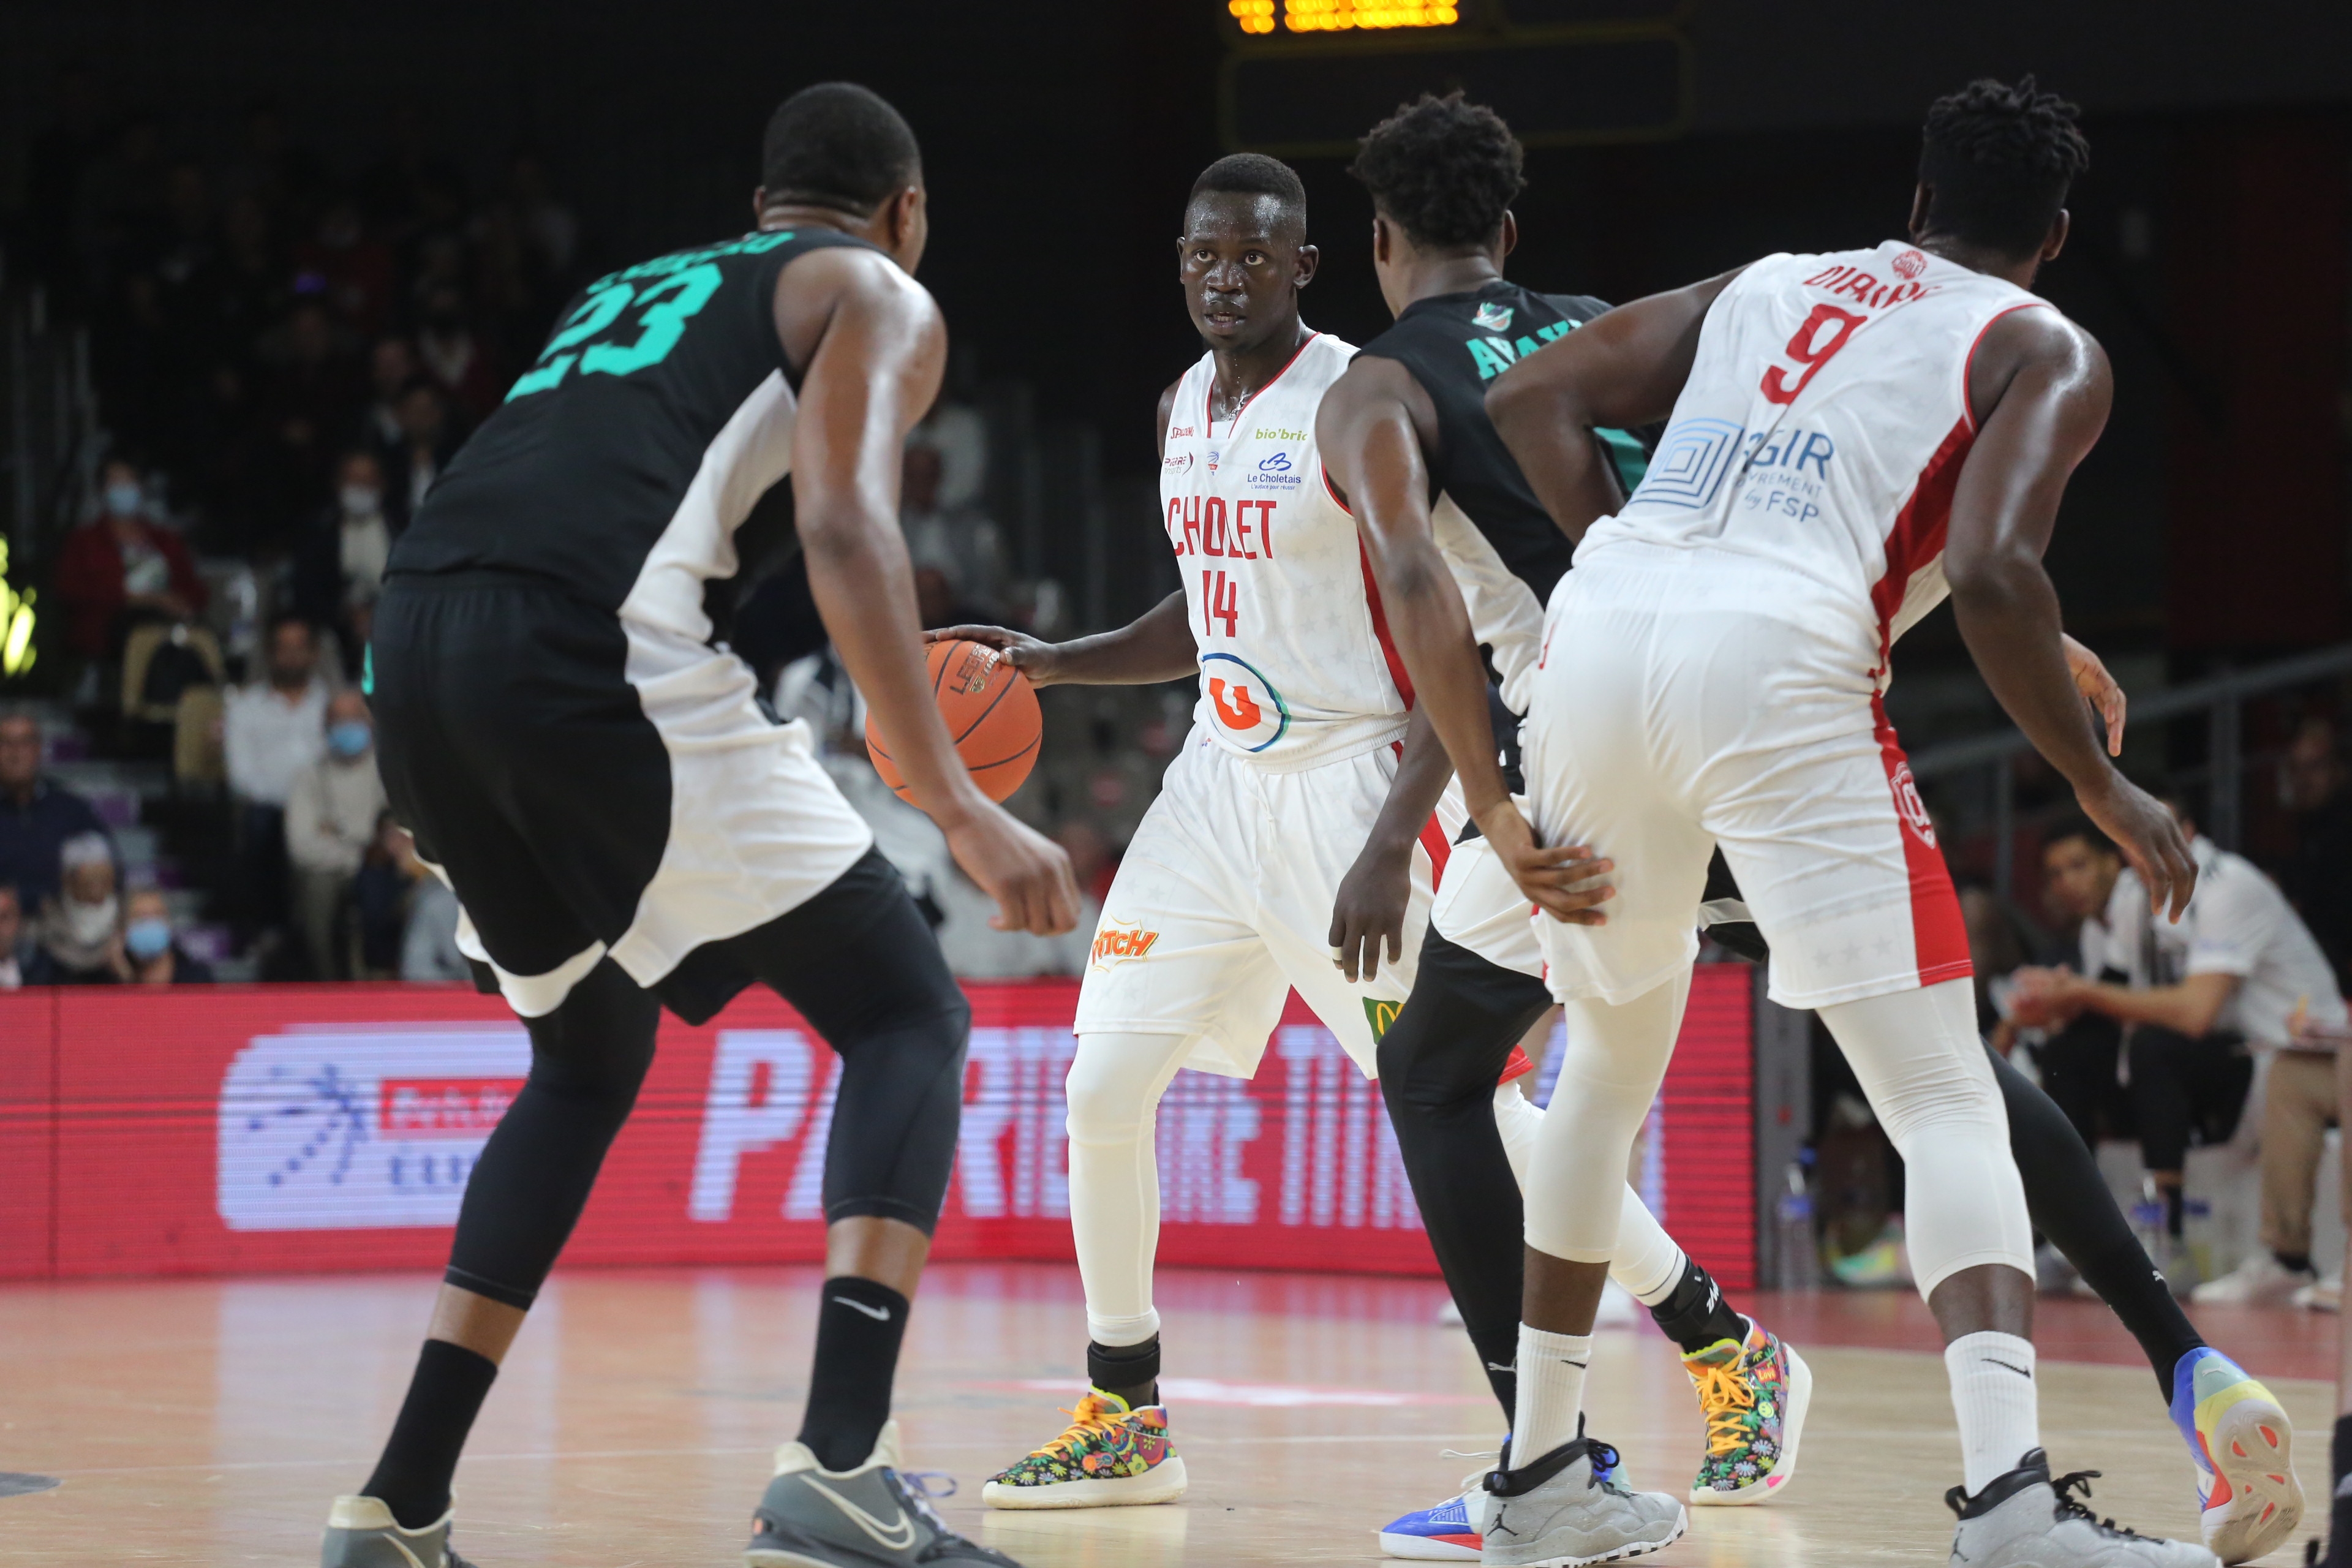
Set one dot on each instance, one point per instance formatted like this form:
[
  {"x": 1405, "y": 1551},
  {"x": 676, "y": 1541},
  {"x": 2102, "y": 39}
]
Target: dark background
[{"x": 2211, "y": 250}]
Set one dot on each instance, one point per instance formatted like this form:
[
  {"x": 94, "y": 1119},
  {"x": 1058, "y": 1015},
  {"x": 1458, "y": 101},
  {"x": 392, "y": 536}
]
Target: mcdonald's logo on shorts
[{"x": 1380, "y": 1015}]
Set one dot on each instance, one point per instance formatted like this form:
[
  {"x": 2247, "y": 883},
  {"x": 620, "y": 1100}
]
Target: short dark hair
[
  {"x": 840, "y": 145},
  {"x": 1253, "y": 174},
  {"x": 2076, "y": 826},
  {"x": 1444, "y": 168},
  {"x": 2000, "y": 161}
]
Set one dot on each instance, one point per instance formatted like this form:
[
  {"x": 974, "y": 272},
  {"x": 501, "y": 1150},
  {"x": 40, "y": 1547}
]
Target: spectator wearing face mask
[
  {"x": 38, "y": 816},
  {"x": 120, "y": 569},
  {"x": 330, "y": 820},
  {"x": 151, "y": 954},
  {"x": 80, "y": 930},
  {"x": 340, "y": 569}
]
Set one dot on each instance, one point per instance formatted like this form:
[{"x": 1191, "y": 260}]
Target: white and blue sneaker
[
  {"x": 1455, "y": 1530},
  {"x": 2248, "y": 1499}
]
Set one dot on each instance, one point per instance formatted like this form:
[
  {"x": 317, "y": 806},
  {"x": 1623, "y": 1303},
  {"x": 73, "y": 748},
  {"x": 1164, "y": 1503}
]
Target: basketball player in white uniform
[
  {"x": 1711, "y": 675},
  {"x": 1296, "y": 795}
]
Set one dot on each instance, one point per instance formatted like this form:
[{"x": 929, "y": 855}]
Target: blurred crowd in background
[{"x": 285, "y": 356}]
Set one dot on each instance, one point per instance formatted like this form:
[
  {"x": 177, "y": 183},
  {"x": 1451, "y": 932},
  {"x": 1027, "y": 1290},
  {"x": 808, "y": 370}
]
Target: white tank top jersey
[
  {"x": 1821, "y": 437},
  {"x": 1296, "y": 664}
]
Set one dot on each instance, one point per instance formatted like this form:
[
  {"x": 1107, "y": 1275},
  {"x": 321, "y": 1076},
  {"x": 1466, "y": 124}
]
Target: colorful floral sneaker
[
  {"x": 2248, "y": 1498},
  {"x": 1111, "y": 1455},
  {"x": 1753, "y": 1395}
]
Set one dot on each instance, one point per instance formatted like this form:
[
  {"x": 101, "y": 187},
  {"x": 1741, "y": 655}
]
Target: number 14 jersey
[
  {"x": 1296, "y": 664},
  {"x": 1809, "y": 466}
]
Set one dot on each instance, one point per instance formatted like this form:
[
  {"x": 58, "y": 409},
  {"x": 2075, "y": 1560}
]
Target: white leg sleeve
[
  {"x": 1115, "y": 1084},
  {"x": 1925, "y": 1072},
  {"x": 1647, "y": 1263},
  {"x": 1616, "y": 1058}
]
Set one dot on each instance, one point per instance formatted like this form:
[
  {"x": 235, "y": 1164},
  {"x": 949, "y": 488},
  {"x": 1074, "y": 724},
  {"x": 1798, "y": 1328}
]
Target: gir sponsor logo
[{"x": 1121, "y": 940}]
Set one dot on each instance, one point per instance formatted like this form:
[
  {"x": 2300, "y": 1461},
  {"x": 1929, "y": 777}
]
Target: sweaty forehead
[{"x": 1237, "y": 215}]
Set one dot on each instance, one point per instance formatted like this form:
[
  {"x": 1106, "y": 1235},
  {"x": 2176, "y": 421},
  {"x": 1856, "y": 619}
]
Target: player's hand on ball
[
  {"x": 1032, "y": 657},
  {"x": 1024, "y": 871},
  {"x": 2147, "y": 833},
  {"x": 1369, "y": 911},
  {"x": 1562, "y": 881},
  {"x": 2099, "y": 689}
]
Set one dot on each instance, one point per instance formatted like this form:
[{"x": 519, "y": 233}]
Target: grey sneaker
[
  {"x": 362, "y": 1533},
  {"x": 870, "y": 1516},
  {"x": 1558, "y": 1514},
  {"x": 2023, "y": 1520}
]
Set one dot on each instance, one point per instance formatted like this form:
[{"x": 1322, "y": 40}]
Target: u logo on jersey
[{"x": 1248, "y": 709}]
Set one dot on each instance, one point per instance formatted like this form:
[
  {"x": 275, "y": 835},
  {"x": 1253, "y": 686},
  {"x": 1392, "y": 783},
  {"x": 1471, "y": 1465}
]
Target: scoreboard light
[{"x": 1258, "y": 18}]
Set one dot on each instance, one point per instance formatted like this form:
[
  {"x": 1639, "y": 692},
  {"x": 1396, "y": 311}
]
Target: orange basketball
[{"x": 991, "y": 715}]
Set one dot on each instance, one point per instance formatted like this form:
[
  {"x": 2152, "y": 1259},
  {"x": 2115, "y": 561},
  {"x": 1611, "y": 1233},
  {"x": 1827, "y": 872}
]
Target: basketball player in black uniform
[
  {"x": 1449, "y": 167},
  {"x": 564, "y": 729}
]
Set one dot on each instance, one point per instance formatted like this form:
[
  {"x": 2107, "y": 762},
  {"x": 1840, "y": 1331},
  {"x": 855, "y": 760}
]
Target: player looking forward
[{"x": 564, "y": 731}]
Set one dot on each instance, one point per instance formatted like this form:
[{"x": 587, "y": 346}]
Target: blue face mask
[
  {"x": 350, "y": 738},
  {"x": 146, "y": 940},
  {"x": 125, "y": 500}
]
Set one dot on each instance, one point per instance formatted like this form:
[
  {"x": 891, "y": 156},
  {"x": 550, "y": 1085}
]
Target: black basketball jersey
[
  {"x": 1456, "y": 345},
  {"x": 1505, "y": 552},
  {"x": 624, "y": 463}
]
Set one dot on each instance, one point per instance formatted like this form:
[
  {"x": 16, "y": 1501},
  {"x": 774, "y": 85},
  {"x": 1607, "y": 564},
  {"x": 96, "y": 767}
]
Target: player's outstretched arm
[
  {"x": 1368, "y": 909},
  {"x": 1371, "y": 426},
  {"x": 1623, "y": 368},
  {"x": 875, "y": 347},
  {"x": 1157, "y": 644},
  {"x": 2040, "y": 389}
]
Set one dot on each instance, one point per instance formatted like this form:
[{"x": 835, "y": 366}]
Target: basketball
[{"x": 991, "y": 715}]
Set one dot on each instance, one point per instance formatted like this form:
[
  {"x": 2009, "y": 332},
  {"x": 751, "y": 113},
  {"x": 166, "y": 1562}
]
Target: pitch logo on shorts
[
  {"x": 1119, "y": 939},
  {"x": 1247, "y": 708}
]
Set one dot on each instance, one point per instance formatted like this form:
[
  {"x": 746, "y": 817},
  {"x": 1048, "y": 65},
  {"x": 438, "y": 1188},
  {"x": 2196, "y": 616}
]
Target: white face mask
[
  {"x": 125, "y": 500},
  {"x": 361, "y": 501},
  {"x": 89, "y": 924}
]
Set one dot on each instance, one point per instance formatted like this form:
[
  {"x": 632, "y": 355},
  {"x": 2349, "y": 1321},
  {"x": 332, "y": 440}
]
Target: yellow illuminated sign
[
  {"x": 15, "y": 623},
  {"x": 1341, "y": 16}
]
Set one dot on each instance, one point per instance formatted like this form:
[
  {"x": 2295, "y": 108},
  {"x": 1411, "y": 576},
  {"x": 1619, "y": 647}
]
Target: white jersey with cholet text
[
  {"x": 1809, "y": 468},
  {"x": 1297, "y": 666}
]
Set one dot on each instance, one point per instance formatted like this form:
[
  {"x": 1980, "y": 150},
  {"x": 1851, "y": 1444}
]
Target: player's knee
[{"x": 1112, "y": 1090}]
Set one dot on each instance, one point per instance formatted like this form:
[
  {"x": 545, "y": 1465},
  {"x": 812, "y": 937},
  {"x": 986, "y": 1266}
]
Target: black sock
[
  {"x": 1499, "y": 1356},
  {"x": 1695, "y": 1316},
  {"x": 858, "y": 1329},
  {"x": 1131, "y": 1372},
  {"x": 2294, "y": 1262},
  {"x": 2340, "y": 1509},
  {"x": 2176, "y": 1207},
  {"x": 421, "y": 1456}
]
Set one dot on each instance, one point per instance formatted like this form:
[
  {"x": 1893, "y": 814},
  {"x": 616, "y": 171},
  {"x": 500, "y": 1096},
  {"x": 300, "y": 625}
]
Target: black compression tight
[
  {"x": 587, "y": 1059},
  {"x": 861, "y": 966},
  {"x": 2071, "y": 1205}
]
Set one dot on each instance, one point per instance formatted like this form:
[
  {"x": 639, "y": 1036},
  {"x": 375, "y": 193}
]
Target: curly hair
[
  {"x": 2000, "y": 161},
  {"x": 1445, "y": 169}
]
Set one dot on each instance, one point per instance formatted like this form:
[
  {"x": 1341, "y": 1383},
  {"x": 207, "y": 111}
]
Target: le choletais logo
[{"x": 1116, "y": 941}]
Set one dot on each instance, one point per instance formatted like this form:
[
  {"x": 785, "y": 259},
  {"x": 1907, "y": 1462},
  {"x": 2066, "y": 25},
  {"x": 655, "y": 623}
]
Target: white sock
[
  {"x": 1992, "y": 1394},
  {"x": 1552, "y": 1392}
]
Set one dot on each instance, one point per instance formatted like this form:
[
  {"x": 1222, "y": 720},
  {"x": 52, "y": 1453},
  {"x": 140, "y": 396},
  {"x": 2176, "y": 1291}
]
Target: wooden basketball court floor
[{"x": 208, "y": 1421}]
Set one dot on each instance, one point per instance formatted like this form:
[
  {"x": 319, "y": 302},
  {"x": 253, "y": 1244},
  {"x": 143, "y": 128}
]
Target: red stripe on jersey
[
  {"x": 1938, "y": 933},
  {"x": 1517, "y": 1066},
  {"x": 1381, "y": 627},
  {"x": 1968, "y": 360},
  {"x": 1917, "y": 537},
  {"x": 1432, "y": 837}
]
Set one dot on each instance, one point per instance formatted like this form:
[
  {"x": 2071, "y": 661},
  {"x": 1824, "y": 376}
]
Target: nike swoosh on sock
[
  {"x": 2005, "y": 1366},
  {"x": 879, "y": 1314}
]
